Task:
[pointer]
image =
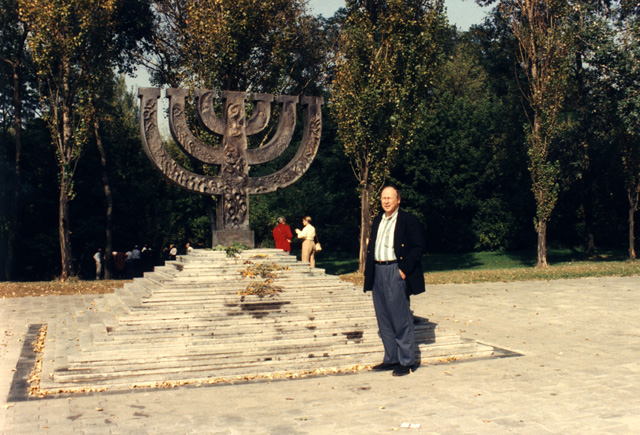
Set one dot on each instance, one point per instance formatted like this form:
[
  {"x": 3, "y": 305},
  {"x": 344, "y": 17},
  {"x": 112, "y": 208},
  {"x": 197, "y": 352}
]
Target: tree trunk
[
  {"x": 66, "y": 176},
  {"x": 14, "y": 214},
  {"x": 538, "y": 152},
  {"x": 365, "y": 224},
  {"x": 542, "y": 244},
  {"x": 590, "y": 244},
  {"x": 108, "y": 257},
  {"x": 589, "y": 239},
  {"x": 633, "y": 207},
  {"x": 63, "y": 231}
]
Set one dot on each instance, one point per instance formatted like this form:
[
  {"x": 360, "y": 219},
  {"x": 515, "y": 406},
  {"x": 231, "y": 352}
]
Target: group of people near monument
[
  {"x": 169, "y": 253},
  {"x": 126, "y": 265},
  {"x": 393, "y": 273},
  {"x": 283, "y": 236}
]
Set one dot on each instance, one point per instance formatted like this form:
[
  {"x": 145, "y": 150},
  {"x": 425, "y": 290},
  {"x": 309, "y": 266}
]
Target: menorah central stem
[{"x": 233, "y": 204}]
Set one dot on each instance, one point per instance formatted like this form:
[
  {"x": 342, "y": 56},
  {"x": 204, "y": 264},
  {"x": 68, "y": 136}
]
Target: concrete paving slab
[{"x": 579, "y": 374}]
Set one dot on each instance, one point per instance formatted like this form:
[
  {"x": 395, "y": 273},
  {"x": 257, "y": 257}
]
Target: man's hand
[{"x": 402, "y": 275}]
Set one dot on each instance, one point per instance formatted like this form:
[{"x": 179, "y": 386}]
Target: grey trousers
[{"x": 395, "y": 321}]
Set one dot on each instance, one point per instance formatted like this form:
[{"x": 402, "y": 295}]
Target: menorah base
[{"x": 229, "y": 237}]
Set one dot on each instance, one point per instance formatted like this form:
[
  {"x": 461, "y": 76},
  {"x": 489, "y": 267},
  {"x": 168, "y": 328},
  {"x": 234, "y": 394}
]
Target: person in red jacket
[{"x": 282, "y": 235}]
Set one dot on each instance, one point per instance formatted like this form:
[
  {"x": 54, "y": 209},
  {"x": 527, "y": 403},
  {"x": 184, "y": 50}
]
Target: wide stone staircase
[{"x": 187, "y": 322}]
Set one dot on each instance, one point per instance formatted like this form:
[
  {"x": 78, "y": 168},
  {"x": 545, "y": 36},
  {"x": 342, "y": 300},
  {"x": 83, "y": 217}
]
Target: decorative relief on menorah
[{"x": 233, "y": 185}]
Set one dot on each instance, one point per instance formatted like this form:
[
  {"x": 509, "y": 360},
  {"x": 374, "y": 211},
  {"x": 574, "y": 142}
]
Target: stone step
[
  {"x": 186, "y": 322},
  {"x": 188, "y": 261},
  {"x": 243, "y": 356},
  {"x": 231, "y": 287},
  {"x": 206, "y": 303},
  {"x": 249, "y": 331},
  {"x": 241, "y": 322},
  {"x": 208, "y": 280},
  {"x": 237, "y": 318},
  {"x": 234, "y": 295},
  {"x": 230, "y": 370},
  {"x": 224, "y": 303},
  {"x": 215, "y": 299},
  {"x": 225, "y": 346},
  {"x": 238, "y": 321},
  {"x": 234, "y": 289},
  {"x": 183, "y": 349},
  {"x": 285, "y": 263},
  {"x": 237, "y": 354},
  {"x": 243, "y": 332}
]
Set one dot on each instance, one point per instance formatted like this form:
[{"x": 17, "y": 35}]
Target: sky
[{"x": 462, "y": 13}]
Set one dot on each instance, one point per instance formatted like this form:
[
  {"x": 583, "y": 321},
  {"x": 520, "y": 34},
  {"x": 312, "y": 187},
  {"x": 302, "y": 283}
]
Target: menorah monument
[{"x": 233, "y": 185}]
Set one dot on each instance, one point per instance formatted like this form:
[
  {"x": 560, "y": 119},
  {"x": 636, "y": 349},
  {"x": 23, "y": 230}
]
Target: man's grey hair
[{"x": 281, "y": 219}]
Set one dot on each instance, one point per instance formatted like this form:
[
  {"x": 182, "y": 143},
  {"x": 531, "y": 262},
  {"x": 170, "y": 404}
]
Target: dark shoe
[
  {"x": 383, "y": 367},
  {"x": 401, "y": 370}
]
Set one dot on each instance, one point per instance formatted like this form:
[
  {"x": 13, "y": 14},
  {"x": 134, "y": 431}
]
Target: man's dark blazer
[{"x": 409, "y": 246}]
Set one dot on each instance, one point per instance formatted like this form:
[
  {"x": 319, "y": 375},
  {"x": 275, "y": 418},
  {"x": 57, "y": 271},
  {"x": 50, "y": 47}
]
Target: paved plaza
[{"x": 578, "y": 373}]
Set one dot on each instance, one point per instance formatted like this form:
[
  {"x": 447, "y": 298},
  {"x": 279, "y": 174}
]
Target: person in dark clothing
[{"x": 393, "y": 272}]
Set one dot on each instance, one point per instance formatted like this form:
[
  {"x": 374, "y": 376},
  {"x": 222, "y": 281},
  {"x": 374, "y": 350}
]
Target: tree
[
  {"x": 14, "y": 55},
  {"x": 388, "y": 55},
  {"x": 254, "y": 45},
  {"x": 464, "y": 176},
  {"x": 617, "y": 57},
  {"x": 70, "y": 41},
  {"x": 540, "y": 29},
  {"x": 101, "y": 88}
]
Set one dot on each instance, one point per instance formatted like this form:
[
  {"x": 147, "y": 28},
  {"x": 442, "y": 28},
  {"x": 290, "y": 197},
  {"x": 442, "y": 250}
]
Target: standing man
[
  {"x": 393, "y": 271},
  {"x": 282, "y": 235}
]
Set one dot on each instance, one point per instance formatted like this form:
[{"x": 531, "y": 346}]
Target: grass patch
[
  {"x": 477, "y": 267},
  {"x": 439, "y": 269},
  {"x": 581, "y": 269},
  {"x": 338, "y": 263},
  {"x": 513, "y": 260}
]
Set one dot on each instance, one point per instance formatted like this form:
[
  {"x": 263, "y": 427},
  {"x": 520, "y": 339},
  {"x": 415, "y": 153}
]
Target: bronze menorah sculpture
[{"x": 232, "y": 186}]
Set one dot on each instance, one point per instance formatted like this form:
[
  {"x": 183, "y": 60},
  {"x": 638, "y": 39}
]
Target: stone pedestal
[{"x": 228, "y": 237}]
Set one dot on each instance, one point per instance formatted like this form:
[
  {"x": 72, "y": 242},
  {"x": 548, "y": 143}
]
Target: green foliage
[
  {"x": 544, "y": 40},
  {"x": 71, "y": 43},
  {"x": 232, "y": 250},
  {"x": 493, "y": 225},
  {"x": 265, "y": 46},
  {"x": 386, "y": 70},
  {"x": 386, "y": 67},
  {"x": 460, "y": 177}
]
